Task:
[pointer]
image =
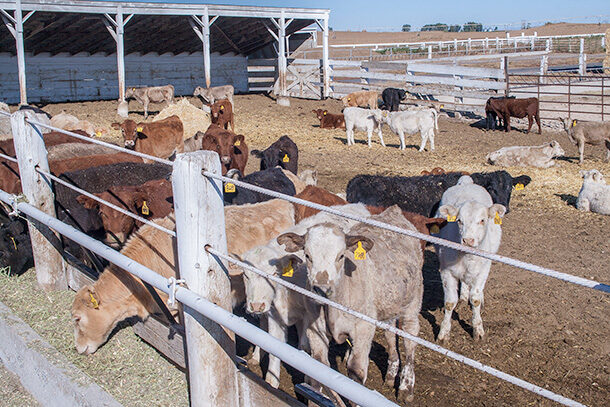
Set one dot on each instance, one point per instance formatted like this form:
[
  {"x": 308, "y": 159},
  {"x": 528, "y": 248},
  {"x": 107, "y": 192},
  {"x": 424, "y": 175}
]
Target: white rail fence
[
  {"x": 577, "y": 43},
  {"x": 201, "y": 244}
]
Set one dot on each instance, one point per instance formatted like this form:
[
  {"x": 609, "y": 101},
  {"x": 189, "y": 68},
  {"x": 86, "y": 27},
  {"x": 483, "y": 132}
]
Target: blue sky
[{"x": 387, "y": 14}]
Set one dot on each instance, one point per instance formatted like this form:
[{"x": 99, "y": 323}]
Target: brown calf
[
  {"x": 505, "y": 108},
  {"x": 162, "y": 138},
  {"x": 362, "y": 98},
  {"x": 151, "y": 200},
  {"x": 317, "y": 195},
  {"x": 222, "y": 114},
  {"x": 422, "y": 223},
  {"x": 9, "y": 171},
  {"x": 231, "y": 148},
  {"x": 329, "y": 120}
]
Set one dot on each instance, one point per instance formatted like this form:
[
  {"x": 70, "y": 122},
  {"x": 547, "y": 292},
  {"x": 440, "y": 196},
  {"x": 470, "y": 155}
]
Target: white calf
[
  {"x": 478, "y": 220},
  {"x": 594, "y": 196},
  {"x": 283, "y": 307},
  {"x": 361, "y": 119},
  {"x": 410, "y": 122},
  {"x": 535, "y": 156},
  {"x": 384, "y": 282}
]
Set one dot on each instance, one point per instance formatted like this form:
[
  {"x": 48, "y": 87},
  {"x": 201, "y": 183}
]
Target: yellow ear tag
[
  {"x": 133, "y": 89},
  {"x": 451, "y": 218},
  {"x": 286, "y": 158},
  {"x": 222, "y": 107},
  {"x": 324, "y": 113},
  {"x": 145, "y": 210},
  {"x": 348, "y": 99},
  {"x": 237, "y": 143},
  {"x": 229, "y": 187},
  {"x": 98, "y": 133},
  {"x": 573, "y": 123},
  {"x": 14, "y": 244},
  {"x": 94, "y": 302},
  {"x": 497, "y": 219},
  {"x": 435, "y": 229},
  {"x": 360, "y": 253},
  {"x": 288, "y": 270},
  {"x": 442, "y": 106},
  {"x": 140, "y": 129},
  {"x": 349, "y": 343},
  {"x": 519, "y": 187}
]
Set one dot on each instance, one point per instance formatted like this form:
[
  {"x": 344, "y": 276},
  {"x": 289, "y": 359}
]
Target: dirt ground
[
  {"x": 363, "y": 37},
  {"x": 539, "y": 329}
]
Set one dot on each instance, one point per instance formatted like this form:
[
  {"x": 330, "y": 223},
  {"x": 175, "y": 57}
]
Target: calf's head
[
  {"x": 15, "y": 247},
  {"x": 218, "y": 110},
  {"x": 131, "y": 132},
  {"x": 556, "y": 150},
  {"x": 223, "y": 144},
  {"x": 474, "y": 220},
  {"x": 325, "y": 247},
  {"x": 593, "y": 176},
  {"x": 260, "y": 292}
]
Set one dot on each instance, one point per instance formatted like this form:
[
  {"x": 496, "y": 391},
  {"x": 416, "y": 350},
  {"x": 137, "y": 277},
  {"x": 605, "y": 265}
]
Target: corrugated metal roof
[{"x": 78, "y": 26}]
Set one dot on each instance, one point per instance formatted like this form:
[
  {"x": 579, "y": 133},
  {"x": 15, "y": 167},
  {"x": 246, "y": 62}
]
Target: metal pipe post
[
  {"x": 326, "y": 69},
  {"x": 206, "y": 46},
  {"x": 120, "y": 52}
]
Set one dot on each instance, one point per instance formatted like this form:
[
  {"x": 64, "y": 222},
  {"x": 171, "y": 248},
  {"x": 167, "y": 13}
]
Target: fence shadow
[{"x": 569, "y": 199}]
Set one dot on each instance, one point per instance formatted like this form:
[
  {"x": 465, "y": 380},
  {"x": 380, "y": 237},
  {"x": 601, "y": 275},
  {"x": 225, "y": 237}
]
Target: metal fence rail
[{"x": 587, "y": 96}]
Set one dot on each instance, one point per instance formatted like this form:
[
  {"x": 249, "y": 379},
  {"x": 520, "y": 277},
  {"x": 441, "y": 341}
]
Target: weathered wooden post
[
  {"x": 46, "y": 246},
  {"x": 582, "y": 59},
  {"x": 199, "y": 222}
]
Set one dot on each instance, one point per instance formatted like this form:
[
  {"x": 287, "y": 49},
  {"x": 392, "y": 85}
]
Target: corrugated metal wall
[{"x": 80, "y": 77}]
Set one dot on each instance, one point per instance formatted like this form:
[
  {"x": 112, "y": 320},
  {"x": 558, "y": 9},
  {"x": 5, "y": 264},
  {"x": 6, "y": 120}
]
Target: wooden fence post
[
  {"x": 199, "y": 222},
  {"x": 46, "y": 246}
]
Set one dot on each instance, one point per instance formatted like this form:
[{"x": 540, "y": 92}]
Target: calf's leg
[
  {"x": 450, "y": 288},
  {"x": 380, "y": 135},
  {"x": 393, "y": 359},
  {"x": 506, "y": 122},
  {"x": 358, "y": 361},
  {"x": 277, "y": 330},
  {"x": 581, "y": 151},
  {"x": 410, "y": 324},
  {"x": 530, "y": 122}
]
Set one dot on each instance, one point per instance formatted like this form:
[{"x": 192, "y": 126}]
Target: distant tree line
[{"x": 470, "y": 26}]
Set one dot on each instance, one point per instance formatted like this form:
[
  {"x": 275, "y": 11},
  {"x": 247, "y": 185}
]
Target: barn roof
[{"x": 74, "y": 26}]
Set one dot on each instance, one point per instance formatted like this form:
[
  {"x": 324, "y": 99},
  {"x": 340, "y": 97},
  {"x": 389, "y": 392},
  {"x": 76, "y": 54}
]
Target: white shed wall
[{"x": 80, "y": 77}]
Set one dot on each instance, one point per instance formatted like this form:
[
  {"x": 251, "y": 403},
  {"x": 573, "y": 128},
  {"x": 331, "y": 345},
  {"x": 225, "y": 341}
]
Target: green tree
[
  {"x": 435, "y": 27},
  {"x": 406, "y": 27},
  {"x": 455, "y": 28}
]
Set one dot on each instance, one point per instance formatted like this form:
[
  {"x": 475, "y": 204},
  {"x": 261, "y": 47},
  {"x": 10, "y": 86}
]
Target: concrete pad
[{"x": 44, "y": 372}]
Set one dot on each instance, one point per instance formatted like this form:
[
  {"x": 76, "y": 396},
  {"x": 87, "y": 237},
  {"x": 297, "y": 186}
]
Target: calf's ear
[
  {"x": 496, "y": 210},
  {"x": 351, "y": 242},
  {"x": 234, "y": 269},
  {"x": 292, "y": 241},
  {"x": 597, "y": 176},
  {"x": 256, "y": 153},
  {"x": 116, "y": 126},
  {"x": 448, "y": 211}
]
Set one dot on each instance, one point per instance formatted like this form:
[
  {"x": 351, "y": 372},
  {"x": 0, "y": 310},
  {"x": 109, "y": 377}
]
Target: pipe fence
[{"x": 210, "y": 184}]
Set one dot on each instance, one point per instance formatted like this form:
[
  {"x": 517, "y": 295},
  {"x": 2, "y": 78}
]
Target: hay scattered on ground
[
  {"x": 193, "y": 119},
  {"x": 127, "y": 368}
]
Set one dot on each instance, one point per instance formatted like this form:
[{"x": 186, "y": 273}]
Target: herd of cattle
[{"x": 333, "y": 256}]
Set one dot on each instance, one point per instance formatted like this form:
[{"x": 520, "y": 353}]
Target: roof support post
[
  {"x": 120, "y": 52},
  {"x": 325, "y": 63},
  {"x": 206, "y": 46},
  {"x": 18, "y": 34},
  {"x": 281, "y": 57}
]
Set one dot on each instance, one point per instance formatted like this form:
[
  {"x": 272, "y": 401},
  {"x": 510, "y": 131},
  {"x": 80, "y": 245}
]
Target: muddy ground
[{"x": 539, "y": 329}]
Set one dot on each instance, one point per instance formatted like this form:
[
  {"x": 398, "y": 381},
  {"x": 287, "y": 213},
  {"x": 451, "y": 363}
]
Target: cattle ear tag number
[
  {"x": 497, "y": 219},
  {"x": 451, "y": 218},
  {"x": 145, "y": 210},
  {"x": 360, "y": 253},
  {"x": 435, "y": 229},
  {"x": 519, "y": 187},
  {"x": 229, "y": 187},
  {"x": 94, "y": 302},
  {"x": 286, "y": 158},
  {"x": 288, "y": 270},
  {"x": 140, "y": 129},
  {"x": 237, "y": 143}
]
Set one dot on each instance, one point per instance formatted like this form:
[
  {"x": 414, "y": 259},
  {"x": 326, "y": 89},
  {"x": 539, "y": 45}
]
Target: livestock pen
[{"x": 207, "y": 200}]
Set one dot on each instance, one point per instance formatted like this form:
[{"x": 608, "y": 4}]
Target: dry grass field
[{"x": 542, "y": 330}]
